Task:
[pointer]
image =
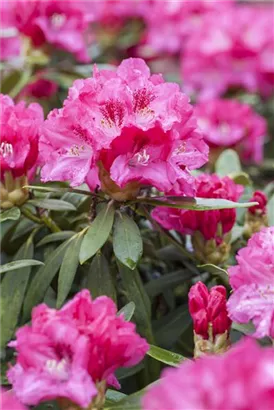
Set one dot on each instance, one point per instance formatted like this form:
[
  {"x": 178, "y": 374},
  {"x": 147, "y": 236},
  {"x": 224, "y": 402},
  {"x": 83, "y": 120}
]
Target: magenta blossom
[
  {"x": 261, "y": 198},
  {"x": 208, "y": 307},
  {"x": 207, "y": 222},
  {"x": 62, "y": 24},
  {"x": 8, "y": 401},
  {"x": 20, "y": 126},
  {"x": 121, "y": 130},
  {"x": 231, "y": 124},
  {"x": 9, "y": 38},
  {"x": 252, "y": 284},
  {"x": 40, "y": 88},
  {"x": 65, "y": 353},
  {"x": 240, "y": 379},
  {"x": 179, "y": 19},
  {"x": 221, "y": 55}
]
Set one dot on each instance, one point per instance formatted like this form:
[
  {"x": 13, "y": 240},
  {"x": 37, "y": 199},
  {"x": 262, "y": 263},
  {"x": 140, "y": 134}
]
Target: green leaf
[
  {"x": 270, "y": 211},
  {"x": 13, "y": 287},
  {"x": 98, "y": 233},
  {"x": 165, "y": 356},
  {"x": 55, "y": 237},
  {"x": 241, "y": 178},
  {"x": 99, "y": 278},
  {"x": 127, "y": 311},
  {"x": 236, "y": 233},
  {"x": 228, "y": 163},
  {"x": 164, "y": 282},
  {"x": 113, "y": 396},
  {"x": 196, "y": 204},
  {"x": 68, "y": 269},
  {"x": 127, "y": 241},
  {"x": 12, "y": 213},
  {"x": 23, "y": 227},
  {"x": 216, "y": 270},
  {"x": 246, "y": 329},
  {"x": 15, "y": 265},
  {"x": 43, "y": 277},
  {"x": 52, "y": 204}
]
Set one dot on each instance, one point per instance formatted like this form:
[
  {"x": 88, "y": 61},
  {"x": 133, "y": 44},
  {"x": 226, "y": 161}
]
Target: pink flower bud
[
  {"x": 208, "y": 307},
  {"x": 261, "y": 198}
]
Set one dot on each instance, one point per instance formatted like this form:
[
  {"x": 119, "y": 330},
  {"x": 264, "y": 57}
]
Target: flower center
[
  {"x": 140, "y": 158},
  {"x": 6, "y": 149},
  {"x": 58, "y": 20},
  {"x": 58, "y": 369}
]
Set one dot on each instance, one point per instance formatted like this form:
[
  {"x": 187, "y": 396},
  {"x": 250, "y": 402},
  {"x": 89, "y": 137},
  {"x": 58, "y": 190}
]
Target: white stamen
[
  {"x": 58, "y": 20},
  {"x": 6, "y": 149},
  {"x": 142, "y": 157},
  {"x": 57, "y": 369}
]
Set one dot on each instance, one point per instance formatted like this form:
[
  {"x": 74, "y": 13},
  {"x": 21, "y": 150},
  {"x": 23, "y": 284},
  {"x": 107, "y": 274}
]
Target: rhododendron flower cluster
[
  {"x": 179, "y": 19},
  {"x": 66, "y": 353},
  {"x": 221, "y": 54},
  {"x": 62, "y": 24},
  {"x": 121, "y": 130},
  {"x": 20, "y": 127},
  {"x": 210, "y": 318},
  {"x": 242, "y": 378},
  {"x": 9, "y": 39},
  {"x": 231, "y": 124},
  {"x": 8, "y": 401},
  {"x": 252, "y": 283},
  {"x": 209, "y": 229}
]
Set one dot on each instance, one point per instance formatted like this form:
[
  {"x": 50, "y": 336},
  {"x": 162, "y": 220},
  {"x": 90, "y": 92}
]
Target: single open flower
[
  {"x": 241, "y": 378},
  {"x": 122, "y": 130},
  {"x": 252, "y": 283}
]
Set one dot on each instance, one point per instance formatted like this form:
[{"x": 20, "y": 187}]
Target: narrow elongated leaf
[
  {"x": 97, "y": 234},
  {"x": 170, "y": 280},
  {"x": 196, "y": 204},
  {"x": 15, "y": 265},
  {"x": 12, "y": 213},
  {"x": 228, "y": 163},
  {"x": 127, "y": 311},
  {"x": 246, "y": 329},
  {"x": 13, "y": 287},
  {"x": 99, "y": 278},
  {"x": 216, "y": 270},
  {"x": 55, "y": 237},
  {"x": 127, "y": 241},
  {"x": 68, "y": 269},
  {"x": 53, "y": 204},
  {"x": 165, "y": 356},
  {"x": 43, "y": 278},
  {"x": 270, "y": 211},
  {"x": 113, "y": 396},
  {"x": 23, "y": 227}
]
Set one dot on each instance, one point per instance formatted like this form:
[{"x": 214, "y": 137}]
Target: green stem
[{"x": 46, "y": 220}]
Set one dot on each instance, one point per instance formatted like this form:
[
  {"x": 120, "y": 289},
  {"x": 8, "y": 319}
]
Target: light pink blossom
[
  {"x": 221, "y": 54},
  {"x": 179, "y": 20},
  {"x": 20, "y": 127},
  {"x": 231, "y": 124},
  {"x": 252, "y": 283},
  {"x": 8, "y": 401},
  {"x": 127, "y": 124},
  {"x": 242, "y": 378},
  {"x": 207, "y": 222},
  {"x": 9, "y": 38},
  {"x": 65, "y": 353}
]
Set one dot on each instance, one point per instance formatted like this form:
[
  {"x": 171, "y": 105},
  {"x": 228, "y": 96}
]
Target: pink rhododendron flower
[
  {"x": 9, "y": 38},
  {"x": 252, "y": 282},
  {"x": 63, "y": 354},
  {"x": 231, "y": 124},
  {"x": 207, "y": 222},
  {"x": 221, "y": 54},
  {"x": 208, "y": 306},
  {"x": 62, "y": 24},
  {"x": 8, "y": 401},
  {"x": 121, "y": 130},
  {"x": 240, "y": 379},
  {"x": 20, "y": 127},
  {"x": 179, "y": 19}
]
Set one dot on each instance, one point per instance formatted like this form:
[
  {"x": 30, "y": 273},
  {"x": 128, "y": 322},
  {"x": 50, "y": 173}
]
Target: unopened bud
[
  {"x": 256, "y": 216},
  {"x": 12, "y": 192},
  {"x": 210, "y": 319},
  {"x": 211, "y": 251}
]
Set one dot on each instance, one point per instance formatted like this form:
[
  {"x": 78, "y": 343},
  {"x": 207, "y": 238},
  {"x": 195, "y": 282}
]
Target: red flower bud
[
  {"x": 261, "y": 198},
  {"x": 208, "y": 307}
]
